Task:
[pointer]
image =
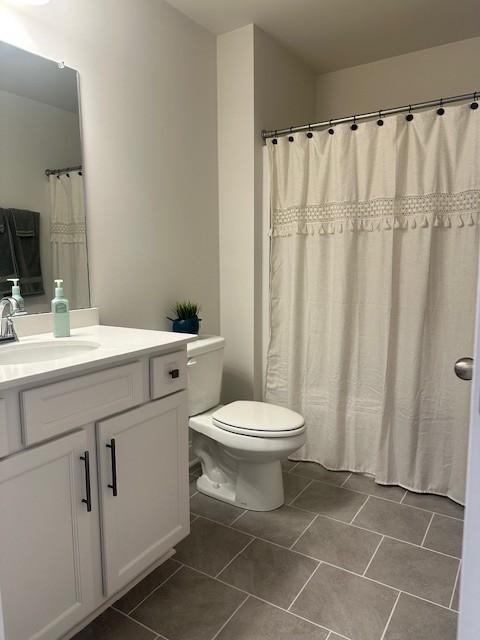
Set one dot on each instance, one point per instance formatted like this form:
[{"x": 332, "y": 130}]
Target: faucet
[{"x": 9, "y": 307}]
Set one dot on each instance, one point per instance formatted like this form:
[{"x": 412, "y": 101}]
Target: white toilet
[{"x": 240, "y": 445}]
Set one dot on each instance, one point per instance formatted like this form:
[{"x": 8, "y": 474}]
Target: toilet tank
[{"x": 204, "y": 371}]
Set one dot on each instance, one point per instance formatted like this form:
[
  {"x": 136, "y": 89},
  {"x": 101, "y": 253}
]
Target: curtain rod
[
  {"x": 373, "y": 114},
  {"x": 57, "y": 172}
]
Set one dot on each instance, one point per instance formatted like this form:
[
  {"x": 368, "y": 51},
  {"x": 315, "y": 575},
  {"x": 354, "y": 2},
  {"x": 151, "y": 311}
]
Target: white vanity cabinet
[
  {"x": 96, "y": 495},
  {"x": 46, "y": 571},
  {"x": 143, "y": 456}
]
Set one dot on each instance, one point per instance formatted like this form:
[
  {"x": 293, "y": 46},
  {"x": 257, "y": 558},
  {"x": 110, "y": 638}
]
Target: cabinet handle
[
  {"x": 88, "y": 488},
  {"x": 113, "y": 453},
  {"x": 174, "y": 373}
]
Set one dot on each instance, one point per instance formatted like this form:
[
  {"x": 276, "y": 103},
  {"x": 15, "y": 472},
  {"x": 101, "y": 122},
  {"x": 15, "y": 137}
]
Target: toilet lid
[{"x": 259, "y": 419}]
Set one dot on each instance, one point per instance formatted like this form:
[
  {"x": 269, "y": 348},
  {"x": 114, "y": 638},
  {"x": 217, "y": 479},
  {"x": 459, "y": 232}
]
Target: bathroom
[{"x": 180, "y": 196}]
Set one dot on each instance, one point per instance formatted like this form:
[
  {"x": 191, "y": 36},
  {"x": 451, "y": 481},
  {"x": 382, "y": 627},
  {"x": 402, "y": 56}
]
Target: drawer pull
[
  {"x": 113, "y": 453},
  {"x": 88, "y": 488},
  {"x": 174, "y": 373}
]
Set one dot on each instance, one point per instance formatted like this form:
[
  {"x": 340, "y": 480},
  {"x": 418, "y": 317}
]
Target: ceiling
[
  {"x": 335, "y": 34},
  {"x": 37, "y": 78}
]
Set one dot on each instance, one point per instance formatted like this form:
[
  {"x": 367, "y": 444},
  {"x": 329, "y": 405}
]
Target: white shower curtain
[
  {"x": 68, "y": 237},
  {"x": 372, "y": 281}
]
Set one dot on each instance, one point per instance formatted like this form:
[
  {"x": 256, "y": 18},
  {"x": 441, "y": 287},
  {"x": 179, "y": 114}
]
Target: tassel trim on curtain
[{"x": 443, "y": 210}]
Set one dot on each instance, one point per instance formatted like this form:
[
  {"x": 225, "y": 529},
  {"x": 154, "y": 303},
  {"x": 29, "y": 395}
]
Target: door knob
[{"x": 464, "y": 368}]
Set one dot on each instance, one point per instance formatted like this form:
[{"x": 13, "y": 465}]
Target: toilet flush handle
[{"x": 191, "y": 362}]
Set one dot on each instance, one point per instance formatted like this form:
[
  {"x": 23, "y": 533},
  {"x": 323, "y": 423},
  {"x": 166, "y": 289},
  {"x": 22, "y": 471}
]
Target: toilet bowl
[{"x": 240, "y": 445}]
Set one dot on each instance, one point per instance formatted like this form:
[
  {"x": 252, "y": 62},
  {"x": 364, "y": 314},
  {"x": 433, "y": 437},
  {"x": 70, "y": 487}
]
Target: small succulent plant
[{"x": 186, "y": 310}]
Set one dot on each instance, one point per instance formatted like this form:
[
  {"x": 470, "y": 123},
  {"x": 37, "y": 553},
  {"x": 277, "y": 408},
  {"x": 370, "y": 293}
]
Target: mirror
[{"x": 42, "y": 204}]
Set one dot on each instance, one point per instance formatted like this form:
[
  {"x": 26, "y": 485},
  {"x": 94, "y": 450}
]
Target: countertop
[{"x": 116, "y": 344}]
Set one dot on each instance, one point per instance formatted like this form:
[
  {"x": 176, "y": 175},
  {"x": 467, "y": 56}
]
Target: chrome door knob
[{"x": 464, "y": 368}]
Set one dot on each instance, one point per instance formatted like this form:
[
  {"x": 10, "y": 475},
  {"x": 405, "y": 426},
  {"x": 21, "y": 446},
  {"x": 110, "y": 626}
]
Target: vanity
[{"x": 93, "y": 471}]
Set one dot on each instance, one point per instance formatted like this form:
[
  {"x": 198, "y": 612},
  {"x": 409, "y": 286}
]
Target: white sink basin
[{"x": 19, "y": 353}]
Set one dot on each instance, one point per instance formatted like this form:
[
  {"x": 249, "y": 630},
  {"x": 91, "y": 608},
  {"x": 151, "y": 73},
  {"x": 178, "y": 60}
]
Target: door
[
  {"x": 469, "y": 620},
  {"x": 46, "y": 568},
  {"x": 144, "y": 487}
]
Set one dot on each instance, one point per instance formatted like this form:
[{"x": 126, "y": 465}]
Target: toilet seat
[{"x": 258, "y": 419}]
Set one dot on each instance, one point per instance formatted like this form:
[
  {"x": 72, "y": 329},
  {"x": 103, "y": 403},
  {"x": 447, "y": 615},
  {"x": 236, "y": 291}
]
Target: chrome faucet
[{"x": 9, "y": 307}]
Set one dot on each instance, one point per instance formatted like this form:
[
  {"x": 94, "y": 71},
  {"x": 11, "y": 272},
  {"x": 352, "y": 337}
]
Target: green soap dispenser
[
  {"x": 61, "y": 312},
  {"x": 17, "y": 295}
]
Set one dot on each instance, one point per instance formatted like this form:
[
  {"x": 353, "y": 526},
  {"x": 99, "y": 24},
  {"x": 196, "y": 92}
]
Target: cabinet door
[
  {"x": 46, "y": 572},
  {"x": 144, "y": 486}
]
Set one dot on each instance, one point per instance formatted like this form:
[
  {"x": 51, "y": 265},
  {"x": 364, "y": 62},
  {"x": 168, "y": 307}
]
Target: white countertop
[{"x": 114, "y": 345}]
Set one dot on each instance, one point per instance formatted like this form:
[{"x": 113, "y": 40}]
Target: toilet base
[
  {"x": 242, "y": 489},
  {"x": 238, "y": 469}
]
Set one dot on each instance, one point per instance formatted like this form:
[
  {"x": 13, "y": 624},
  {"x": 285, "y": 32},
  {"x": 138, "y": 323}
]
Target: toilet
[{"x": 240, "y": 445}]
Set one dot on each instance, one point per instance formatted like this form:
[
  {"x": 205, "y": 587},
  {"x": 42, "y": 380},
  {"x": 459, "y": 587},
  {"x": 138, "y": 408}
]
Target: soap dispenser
[
  {"x": 61, "y": 312},
  {"x": 17, "y": 296}
]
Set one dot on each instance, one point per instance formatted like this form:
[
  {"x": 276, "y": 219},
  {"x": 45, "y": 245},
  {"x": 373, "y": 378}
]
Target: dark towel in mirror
[
  {"x": 25, "y": 231},
  {"x": 7, "y": 265}
]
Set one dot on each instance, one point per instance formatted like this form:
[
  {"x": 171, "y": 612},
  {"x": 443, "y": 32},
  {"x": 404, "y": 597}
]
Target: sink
[{"x": 19, "y": 353}]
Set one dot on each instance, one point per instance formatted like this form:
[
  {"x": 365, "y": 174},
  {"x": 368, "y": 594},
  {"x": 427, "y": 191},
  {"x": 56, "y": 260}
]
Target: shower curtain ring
[
  {"x": 331, "y": 130},
  {"x": 441, "y": 110},
  {"x": 309, "y": 134},
  {"x": 474, "y": 104},
  {"x": 409, "y": 116},
  {"x": 380, "y": 121},
  {"x": 275, "y": 141},
  {"x": 290, "y": 137},
  {"x": 354, "y": 126}
]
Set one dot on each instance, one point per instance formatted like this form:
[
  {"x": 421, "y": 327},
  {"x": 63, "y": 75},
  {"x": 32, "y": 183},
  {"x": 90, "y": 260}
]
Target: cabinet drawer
[
  {"x": 168, "y": 373},
  {"x": 56, "y": 408}
]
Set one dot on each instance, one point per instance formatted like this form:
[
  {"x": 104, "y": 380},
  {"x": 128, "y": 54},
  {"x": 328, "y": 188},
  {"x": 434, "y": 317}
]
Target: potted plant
[{"x": 187, "y": 320}]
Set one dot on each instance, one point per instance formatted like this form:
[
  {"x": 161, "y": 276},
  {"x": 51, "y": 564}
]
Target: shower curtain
[
  {"x": 68, "y": 236},
  {"x": 373, "y": 268}
]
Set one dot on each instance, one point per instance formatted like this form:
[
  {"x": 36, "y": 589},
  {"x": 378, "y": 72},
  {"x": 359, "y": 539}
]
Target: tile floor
[{"x": 343, "y": 559}]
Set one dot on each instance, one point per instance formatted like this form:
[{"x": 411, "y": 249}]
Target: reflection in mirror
[{"x": 42, "y": 209}]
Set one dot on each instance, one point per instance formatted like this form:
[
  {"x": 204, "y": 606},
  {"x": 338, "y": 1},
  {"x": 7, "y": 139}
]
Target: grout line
[
  {"x": 238, "y": 517},
  {"x": 252, "y": 595},
  {"x": 349, "y": 524},
  {"x": 346, "y": 480},
  {"x": 294, "y": 466},
  {"x": 303, "y": 532},
  {"x": 358, "y": 511},
  {"x": 371, "y": 495},
  {"x": 455, "y": 586},
  {"x": 388, "y": 586},
  {"x": 316, "y": 624},
  {"x": 426, "y": 532},
  {"x": 140, "y": 624},
  {"x": 391, "y": 615},
  {"x": 374, "y": 554},
  {"x": 301, "y": 490},
  {"x": 357, "y": 526},
  {"x": 230, "y": 617},
  {"x": 301, "y": 590},
  {"x": 234, "y": 557},
  {"x": 153, "y": 590}
]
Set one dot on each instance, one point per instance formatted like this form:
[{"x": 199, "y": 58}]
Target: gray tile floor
[{"x": 343, "y": 559}]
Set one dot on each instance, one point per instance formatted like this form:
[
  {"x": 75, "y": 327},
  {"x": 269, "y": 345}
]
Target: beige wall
[
  {"x": 236, "y": 126},
  {"x": 284, "y": 95},
  {"x": 414, "y": 77},
  {"x": 148, "y": 98},
  {"x": 260, "y": 85},
  {"x": 35, "y": 137}
]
